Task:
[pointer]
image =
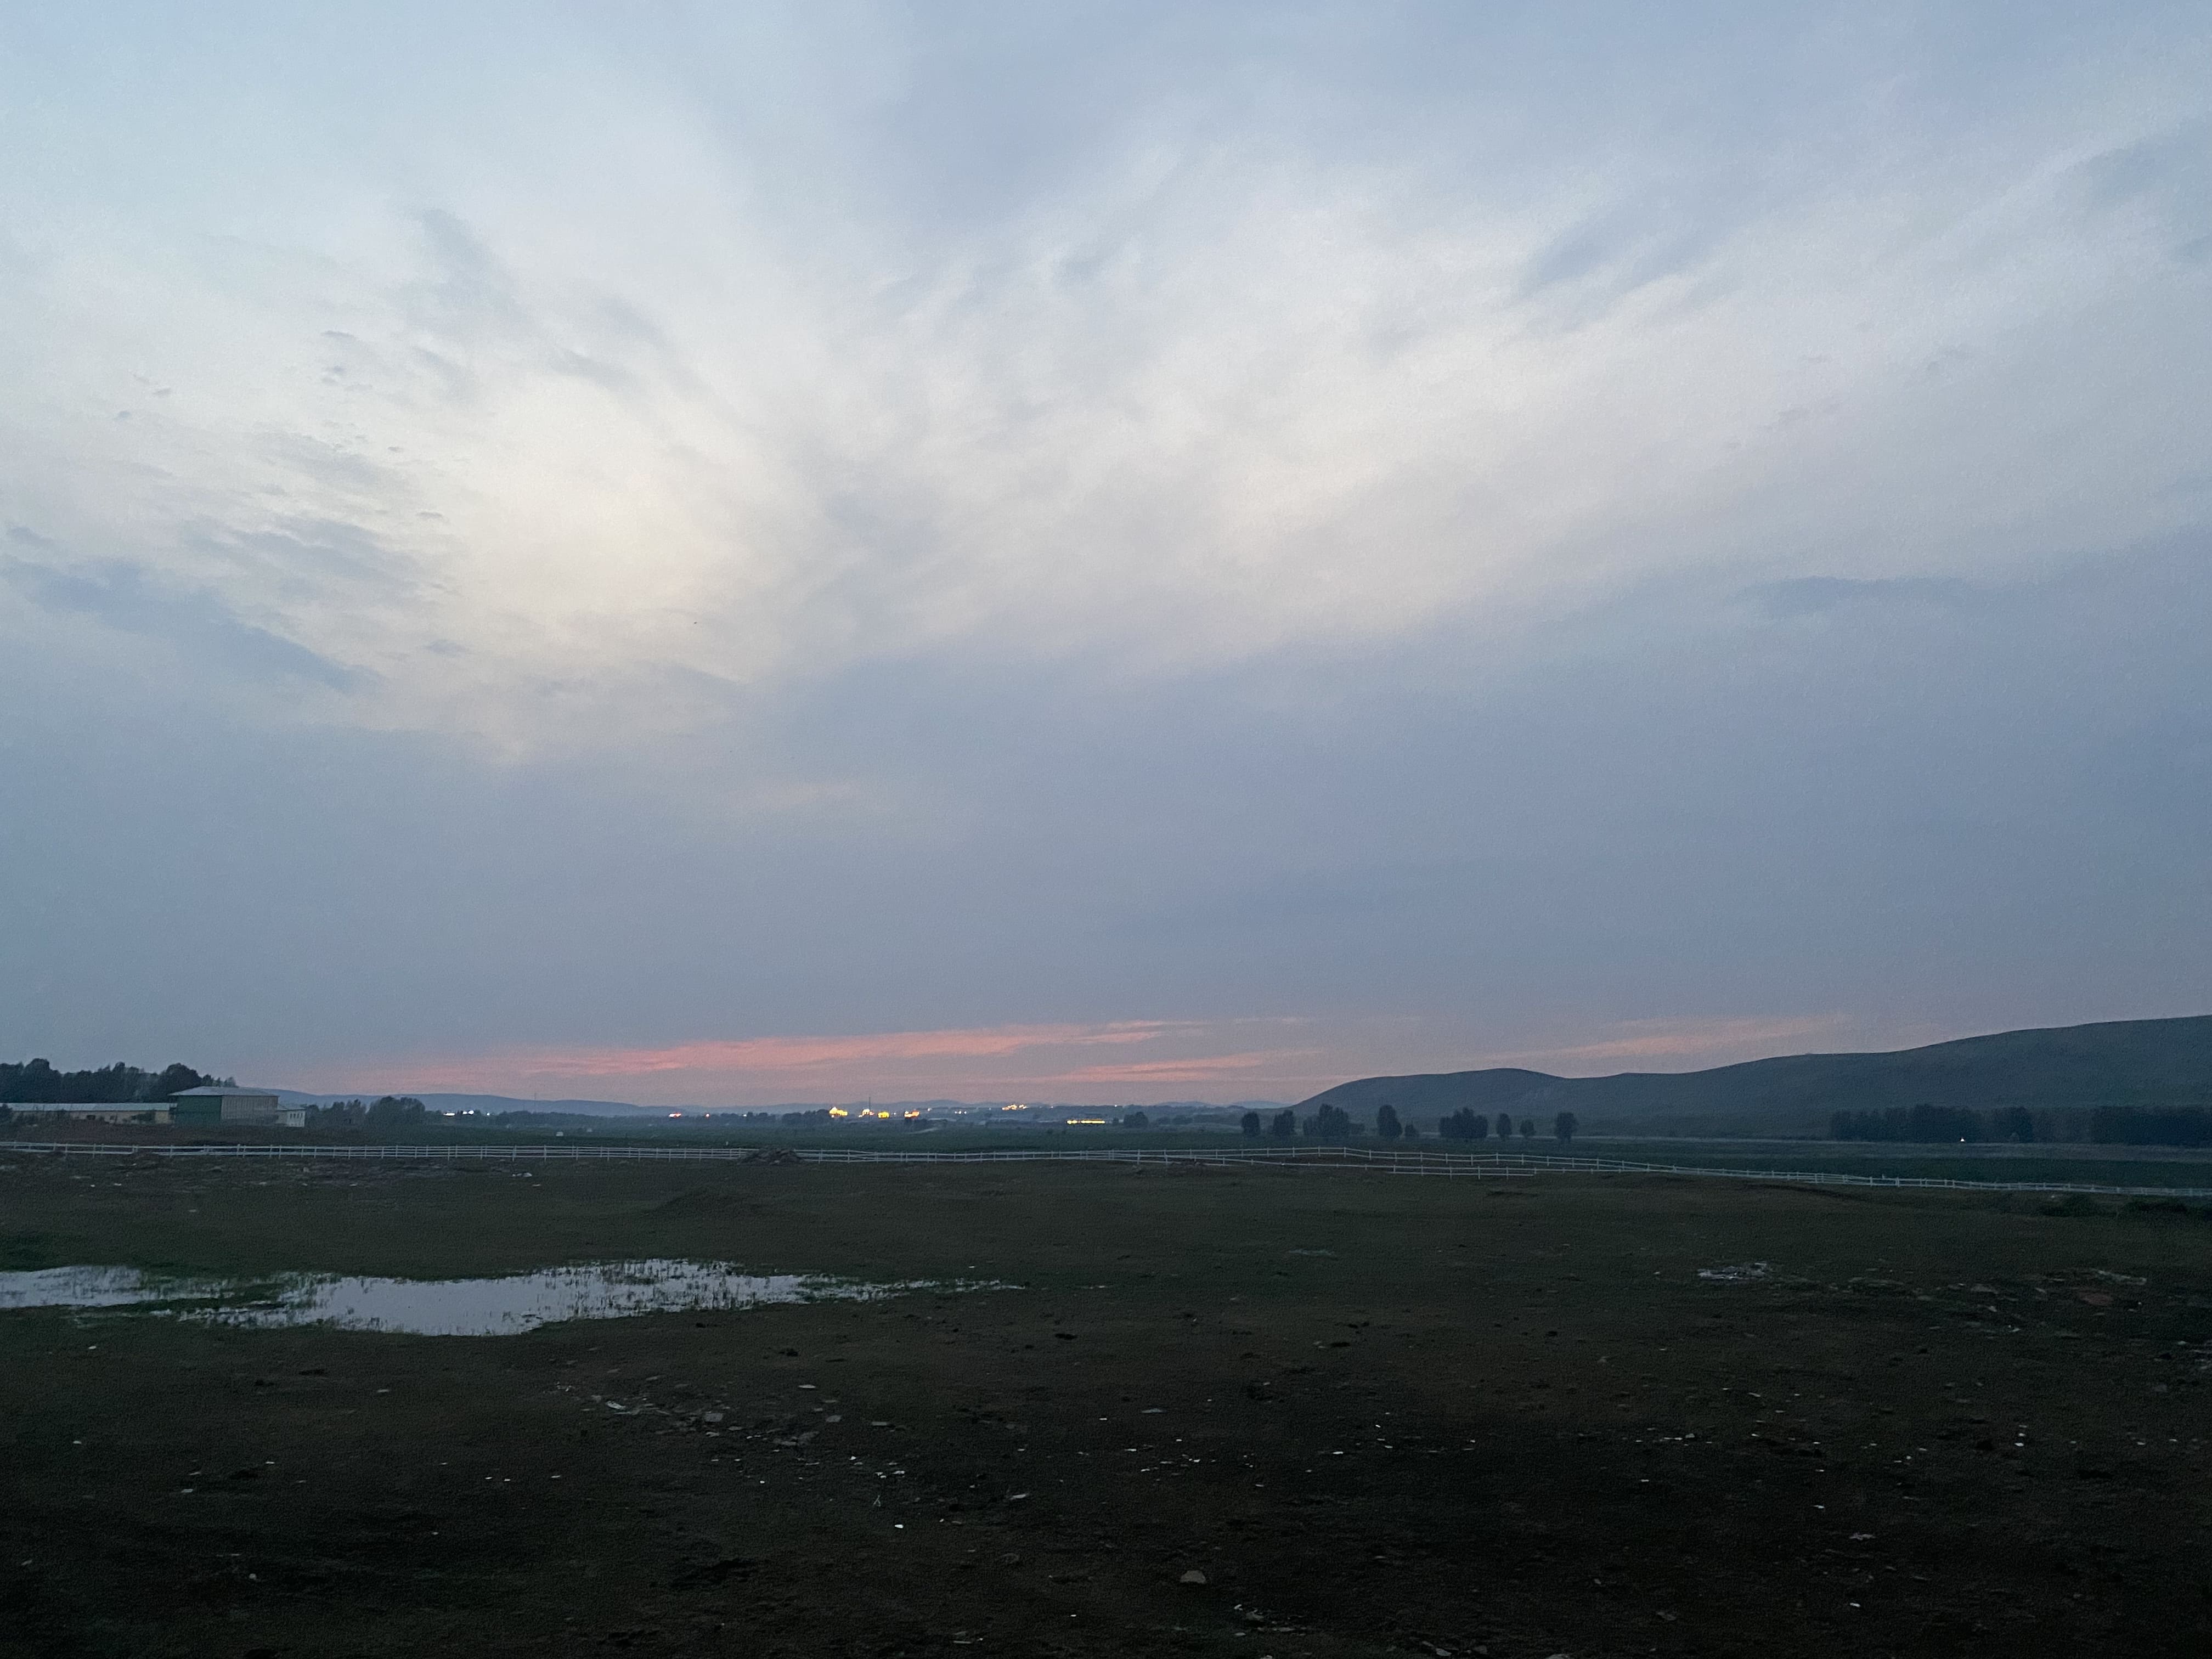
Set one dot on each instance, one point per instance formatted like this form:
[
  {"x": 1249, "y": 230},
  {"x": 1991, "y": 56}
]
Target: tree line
[
  {"x": 1467, "y": 1124},
  {"x": 37, "y": 1082},
  {"x": 2123, "y": 1125},
  {"x": 1333, "y": 1123},
  {"x": 380, "y": 1116}
]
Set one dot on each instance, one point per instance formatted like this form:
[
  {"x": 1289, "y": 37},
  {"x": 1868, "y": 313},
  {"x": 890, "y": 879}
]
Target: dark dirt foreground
[{"x": 1379, "y": 1416}]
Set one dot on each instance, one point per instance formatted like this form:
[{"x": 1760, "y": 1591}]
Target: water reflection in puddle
[{"x": 443, "y": 1307}]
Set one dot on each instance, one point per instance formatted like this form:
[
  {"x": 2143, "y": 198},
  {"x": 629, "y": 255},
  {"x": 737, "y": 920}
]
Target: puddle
[
  {"x": 1742, "y": 1272},
  {"x": 444, "y": 1307}
]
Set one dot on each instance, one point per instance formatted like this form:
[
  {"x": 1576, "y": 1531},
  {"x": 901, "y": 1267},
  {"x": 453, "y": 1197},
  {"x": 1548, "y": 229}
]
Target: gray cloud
[
  {"x": 1499, "y": 527},
  {"x": 1916, "y": 825},
  {"x": 196, "y": 625},
  {"x": 1805, "y": 596},
  {"x": 2168, "y": 175}
]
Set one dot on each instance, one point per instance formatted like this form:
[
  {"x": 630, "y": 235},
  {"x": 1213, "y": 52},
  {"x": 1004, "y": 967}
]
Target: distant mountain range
[{"x": 2132, "y": 1062}]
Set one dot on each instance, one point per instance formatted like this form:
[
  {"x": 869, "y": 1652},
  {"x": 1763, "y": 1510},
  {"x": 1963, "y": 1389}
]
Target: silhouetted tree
[
  {"x": 338, "y": 1115},
  {"x": 1135, "y": 1120},
  {"x": 1564, "y": 1125},
  {"x": 2013, "y": 1123},
  {"x": 1284, "y": 1126},
  {"x": 1249, "y": 1123},
  {"x": 1527, "y": 1128},
  {"x": 2148, "y": 1125},
  {"x": 1465, "y": 1124},
  {"x": 174, "y": 1080},
  {"x": 37, "y": 1080},
  {"x": 392, "y": 1113},
  {"x": 1329, "y": 1123},
  {"x": 1505, "y": 1126},
  {"x": 1946, "y": 1123},
  {"x": 33, "y": 1080},
  {"x": 1386, "y": 1121}
]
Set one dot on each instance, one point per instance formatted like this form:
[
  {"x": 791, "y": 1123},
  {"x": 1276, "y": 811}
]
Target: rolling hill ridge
[{"x": 2134, "y": 1062}]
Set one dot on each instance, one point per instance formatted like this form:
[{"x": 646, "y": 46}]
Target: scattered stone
[
  {"x": 1194, "y": 1577},
  {"x": 1739, "y": 1274}
]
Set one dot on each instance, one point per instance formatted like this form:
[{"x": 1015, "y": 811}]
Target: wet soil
[{"x": 1239, "y": 1413}]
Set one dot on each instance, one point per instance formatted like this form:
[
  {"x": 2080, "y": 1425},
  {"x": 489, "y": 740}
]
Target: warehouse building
[
  {"x": 105, "y": 1111},
  {"x": 218, "y": 1104}
]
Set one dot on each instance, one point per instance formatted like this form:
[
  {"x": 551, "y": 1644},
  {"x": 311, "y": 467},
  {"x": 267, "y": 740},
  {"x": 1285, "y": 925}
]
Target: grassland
[{"x": 1378, "y": 1416}]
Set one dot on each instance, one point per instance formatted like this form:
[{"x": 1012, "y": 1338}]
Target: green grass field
[{"x": 1378, "y": 1415}]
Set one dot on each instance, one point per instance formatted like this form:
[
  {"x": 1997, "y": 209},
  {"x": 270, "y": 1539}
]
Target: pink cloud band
[
  {"x": 804, "y": 1053},
  {"x": 1159, "y": 1058},
  {"x": 986, "y": 1060}
]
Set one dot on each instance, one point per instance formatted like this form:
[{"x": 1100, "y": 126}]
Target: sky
[{"x": 1104, "y": 553}]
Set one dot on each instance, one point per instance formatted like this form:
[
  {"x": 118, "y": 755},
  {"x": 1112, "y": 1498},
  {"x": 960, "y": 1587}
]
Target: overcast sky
[{"x": 1106, "y": 553}]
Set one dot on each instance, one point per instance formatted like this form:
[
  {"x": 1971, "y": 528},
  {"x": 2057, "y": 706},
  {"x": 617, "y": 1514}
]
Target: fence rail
[{"x": 1477, "y": 1164}]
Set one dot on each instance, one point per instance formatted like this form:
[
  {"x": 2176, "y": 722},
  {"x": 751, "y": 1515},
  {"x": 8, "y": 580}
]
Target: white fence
[{"x": 1372, "y": 1160}]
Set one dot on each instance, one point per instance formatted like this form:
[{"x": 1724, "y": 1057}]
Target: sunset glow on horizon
[{"x": 1182, "y": 1059}]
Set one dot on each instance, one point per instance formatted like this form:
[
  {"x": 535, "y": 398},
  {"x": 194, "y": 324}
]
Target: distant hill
[{"x": 2133, "y": 1062}]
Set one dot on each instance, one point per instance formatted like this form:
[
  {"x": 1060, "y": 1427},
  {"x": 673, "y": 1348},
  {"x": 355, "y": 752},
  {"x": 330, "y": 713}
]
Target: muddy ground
[{"x": 1514, "y": 1418}]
